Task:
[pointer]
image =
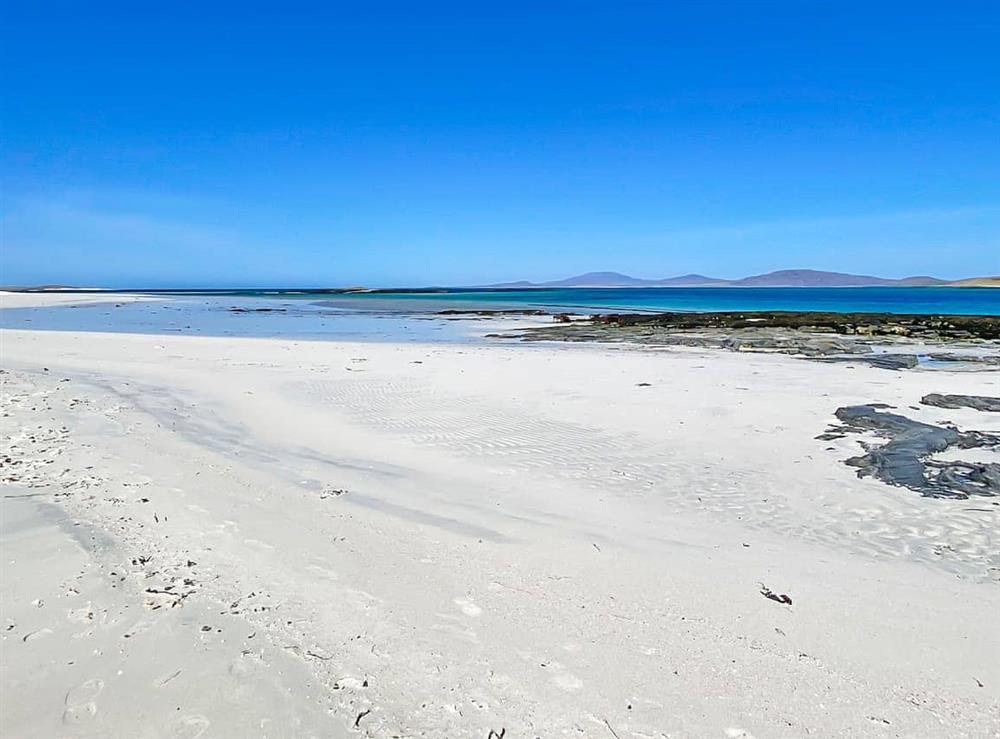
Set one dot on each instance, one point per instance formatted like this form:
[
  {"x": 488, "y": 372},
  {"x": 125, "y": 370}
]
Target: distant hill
[
  {"x": 691, "y": 281},
  {"x": 588, "y": 279},
  {"x": 977, "y": 282},
  {"x": 599, "y": 279},
  {"x": 815, "y": 278},
  {"x": 781, "y": 278},
  {"x": 41, "y": 288},
  {"x": 519, "y": 283},
  {"x": 921, "y": 281}
]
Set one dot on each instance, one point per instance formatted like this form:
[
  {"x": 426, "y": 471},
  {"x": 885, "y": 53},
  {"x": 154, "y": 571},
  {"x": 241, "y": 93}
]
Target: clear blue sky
[{"x": 437, "y": 143}]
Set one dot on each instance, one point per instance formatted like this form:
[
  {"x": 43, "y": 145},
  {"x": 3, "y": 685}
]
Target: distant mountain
[
  {"x": 599, "y": 279},
  {"x": 815, "y": 278},
  {"x": 519, "y": 283},
  {"x": 588, "y": 279},
  {"x": 781, "y": 278},
  {"x": 921, "y": 281}
]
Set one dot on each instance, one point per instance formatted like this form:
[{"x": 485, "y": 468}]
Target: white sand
[
  {"x": 10, "y": 299},
  {"x": 528, "y": 542}
]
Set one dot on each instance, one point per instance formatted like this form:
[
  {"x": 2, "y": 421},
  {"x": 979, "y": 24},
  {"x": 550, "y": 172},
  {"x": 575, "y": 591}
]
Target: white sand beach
[{"x": 209, "y": 536}]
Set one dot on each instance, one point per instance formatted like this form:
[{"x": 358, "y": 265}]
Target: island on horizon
[
  {"x": 778, "y": 278},
  {"x": 802, "y": 278}
]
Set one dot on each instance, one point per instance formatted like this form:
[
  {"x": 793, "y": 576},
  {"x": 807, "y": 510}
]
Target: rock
[
  {"x": 882, "y": 361},
  {"x": 976, "y": 402},
  {"x": 834, "y": 337},
  {"x": 903, "y": 460}
]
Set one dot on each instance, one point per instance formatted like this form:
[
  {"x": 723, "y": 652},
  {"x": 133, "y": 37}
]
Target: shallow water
[
  {"x": 965, "y": 301},
  {"x": 258, "y": 317}
]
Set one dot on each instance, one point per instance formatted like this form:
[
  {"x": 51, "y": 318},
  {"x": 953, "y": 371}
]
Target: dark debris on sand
[{"x": 782, "y": 598}]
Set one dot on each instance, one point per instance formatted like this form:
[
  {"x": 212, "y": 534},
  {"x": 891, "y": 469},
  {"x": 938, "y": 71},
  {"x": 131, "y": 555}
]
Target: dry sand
[{"x": 229, "y": 537}]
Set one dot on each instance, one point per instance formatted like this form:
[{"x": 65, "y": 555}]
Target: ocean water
[
  {"x": 414, "y": 315},
  {"x": 289, "y": 317},
  {"x": 953, "y": 300}
]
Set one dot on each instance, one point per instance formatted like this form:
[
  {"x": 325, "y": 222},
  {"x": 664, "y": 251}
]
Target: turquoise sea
[
  {"x": 966, "y": 301},
  {"x": 955, "y": 300}
]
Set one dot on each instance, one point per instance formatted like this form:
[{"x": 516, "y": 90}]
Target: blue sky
[{"x": 437, "y": 143}]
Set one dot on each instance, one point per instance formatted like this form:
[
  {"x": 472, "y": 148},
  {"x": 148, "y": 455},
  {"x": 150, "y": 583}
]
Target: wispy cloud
[
  {"x": 109, "y": 236},
  {"x": 38, "y": 219}
]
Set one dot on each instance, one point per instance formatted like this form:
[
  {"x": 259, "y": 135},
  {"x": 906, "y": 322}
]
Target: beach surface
[{"x": 210, "y": 536}]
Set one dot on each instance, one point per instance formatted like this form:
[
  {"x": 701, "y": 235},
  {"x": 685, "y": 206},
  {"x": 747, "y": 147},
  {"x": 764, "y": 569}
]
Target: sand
[{"x": 258, "y": 537}]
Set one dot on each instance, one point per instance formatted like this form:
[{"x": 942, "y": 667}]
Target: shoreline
[{"x": 888, "y": 341}]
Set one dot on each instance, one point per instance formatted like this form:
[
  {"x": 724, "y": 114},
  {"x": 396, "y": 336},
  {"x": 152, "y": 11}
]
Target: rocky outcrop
[
  {"x": 976, "y": 402},
  {"x": 906, "y": 457},
  {"x": 837, "y": 337}
]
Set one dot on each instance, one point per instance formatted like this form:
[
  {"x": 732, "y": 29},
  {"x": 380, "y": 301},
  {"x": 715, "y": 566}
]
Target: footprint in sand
[
  {"x": 32, "y": 635},
  {"x": 245, "y": 665},
  {"x": 322, "y": 571},
  {"x": 81, "y": 615},
  {"x": 81, "y": 701},
  {"x": 567, "y": 681},
  {"x": 139, "y": 627},
  {"x": 166, "y": 679},
  {"x": 189, "y": 727},
  {"x": 228, "y": 527},
  {"x": 455, "y": 626},
  {"x": 257, "y": 543},
  {"x": 468, "y": 607}
]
